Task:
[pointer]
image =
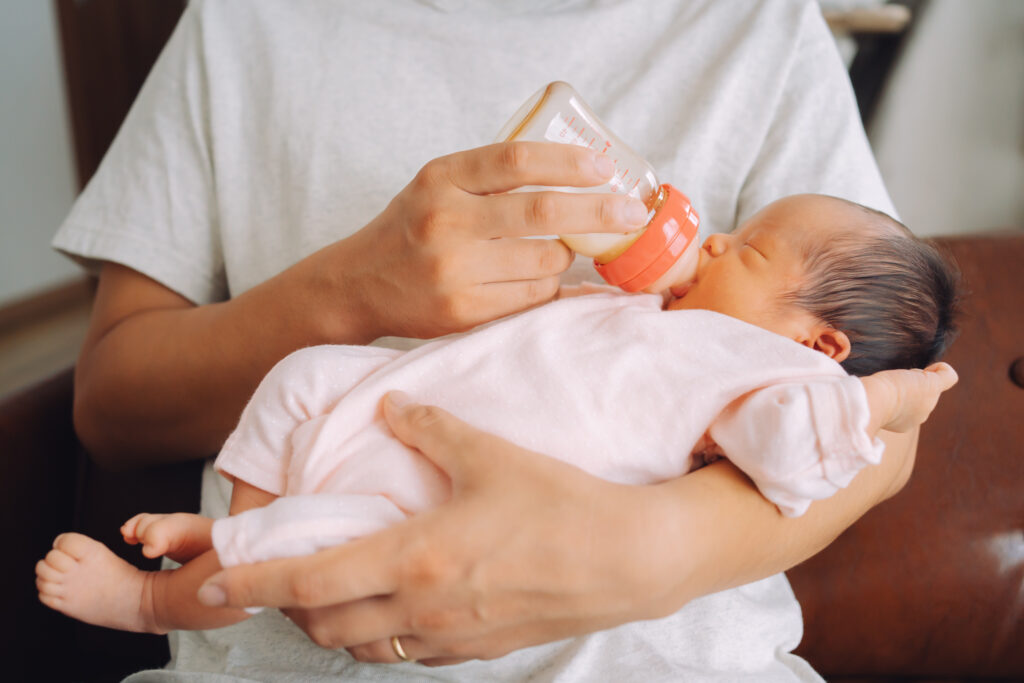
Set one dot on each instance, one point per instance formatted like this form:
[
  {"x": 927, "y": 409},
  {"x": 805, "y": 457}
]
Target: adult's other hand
[
  {"x": 528, "y": 550},
  {"x": 531, "y": 550}
]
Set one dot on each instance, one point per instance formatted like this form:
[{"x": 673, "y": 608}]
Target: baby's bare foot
[
  {"x": 83, "y": 579},
  {"x": 180, "y": 536}
]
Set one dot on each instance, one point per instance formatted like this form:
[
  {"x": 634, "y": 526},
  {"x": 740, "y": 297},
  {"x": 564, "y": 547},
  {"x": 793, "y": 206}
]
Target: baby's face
[{"x": 746, "y": 273}]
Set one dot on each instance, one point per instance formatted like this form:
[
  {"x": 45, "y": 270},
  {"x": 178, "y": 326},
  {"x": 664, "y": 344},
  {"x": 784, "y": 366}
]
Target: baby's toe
[
  {"x": 49, "y": 597},
  {"x": 46, "y": 581},
  {"x": 148, "y": 527},
  {"x": 60, "y": 560},
  {"x": 56, "y": 562},
  {"x": 77, "y": 545},
  {"x": 130, "y": 529},
  {"x": 157, "y": 533}
]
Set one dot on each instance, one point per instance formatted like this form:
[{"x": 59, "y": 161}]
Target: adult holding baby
[{"x": 238, "y": 218}]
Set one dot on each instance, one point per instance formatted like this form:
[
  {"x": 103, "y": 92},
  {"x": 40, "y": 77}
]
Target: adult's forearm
[
  {"x": 161, "y": 379},
  {"x": 720, "y": 532}
]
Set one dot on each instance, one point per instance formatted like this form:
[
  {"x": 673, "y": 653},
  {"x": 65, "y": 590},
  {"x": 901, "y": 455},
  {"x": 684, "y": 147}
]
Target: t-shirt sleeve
[
  {"x": 151, "y": 205},
  {"x": 799, "y": 441},
  {"x": 816, "y": 140}
]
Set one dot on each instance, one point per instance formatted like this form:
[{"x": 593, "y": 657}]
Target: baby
[{"x": 787, "y": 354}]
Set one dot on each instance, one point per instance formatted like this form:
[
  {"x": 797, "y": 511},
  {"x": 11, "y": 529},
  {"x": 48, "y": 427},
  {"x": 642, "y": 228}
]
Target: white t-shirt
[{"x": 270, "y": 129}]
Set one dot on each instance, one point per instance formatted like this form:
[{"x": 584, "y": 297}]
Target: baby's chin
[
  {"x": 676, "y": 303},
  {"x": 679, "y": 291},
  {"x": 674, "y": 297}
]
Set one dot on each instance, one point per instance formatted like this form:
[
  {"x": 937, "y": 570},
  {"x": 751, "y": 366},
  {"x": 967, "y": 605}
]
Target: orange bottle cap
[{"x": 670, "y": 232}]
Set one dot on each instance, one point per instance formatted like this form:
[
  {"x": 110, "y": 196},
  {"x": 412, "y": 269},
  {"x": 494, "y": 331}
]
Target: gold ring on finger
[{"x": 396, "y": 645}]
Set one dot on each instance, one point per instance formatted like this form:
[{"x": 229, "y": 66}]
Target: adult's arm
[
  {"x": 531, "y": 550},
  {"x": 160, "y": 378}
]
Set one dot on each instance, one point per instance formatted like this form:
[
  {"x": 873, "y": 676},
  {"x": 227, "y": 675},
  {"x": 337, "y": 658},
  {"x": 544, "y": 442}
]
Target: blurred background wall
[
  {"x": 949, "y": 129},
  {"x": 37, "y": 176}
]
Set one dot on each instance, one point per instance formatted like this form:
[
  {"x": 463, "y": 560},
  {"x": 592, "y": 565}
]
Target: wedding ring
[{"x": 396, "y": 645}]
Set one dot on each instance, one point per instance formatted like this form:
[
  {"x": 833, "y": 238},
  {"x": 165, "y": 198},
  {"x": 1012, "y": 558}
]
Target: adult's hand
[
  {"x": 529, "y": 550},
  {"x": 449, "y": 253}
]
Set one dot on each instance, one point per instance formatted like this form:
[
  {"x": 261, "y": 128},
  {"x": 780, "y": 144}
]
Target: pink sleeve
[
  {"x": 799, "y": 442},
  {"x": 303, "y": 386}
]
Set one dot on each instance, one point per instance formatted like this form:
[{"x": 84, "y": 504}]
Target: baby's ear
[{"x": 830, "y": 341}]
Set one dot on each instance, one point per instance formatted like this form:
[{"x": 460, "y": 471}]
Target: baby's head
[{"x": 835, "y": 276}]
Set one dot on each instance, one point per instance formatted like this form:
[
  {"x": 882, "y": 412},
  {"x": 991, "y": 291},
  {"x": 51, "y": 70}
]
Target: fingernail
[
  {"x": 398, "y": 399},
  {"x": 634, "y": 213},
  {"x": 604, "y": 166},
  {"x": 212, "y": 595}
]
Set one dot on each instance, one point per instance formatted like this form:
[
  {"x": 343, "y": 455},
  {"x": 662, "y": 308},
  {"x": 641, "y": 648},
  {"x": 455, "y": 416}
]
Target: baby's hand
[{"x": 903, "y": 399}]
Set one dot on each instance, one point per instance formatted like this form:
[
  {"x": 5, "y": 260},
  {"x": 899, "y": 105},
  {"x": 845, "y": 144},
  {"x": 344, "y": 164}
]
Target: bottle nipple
[{"x": 664, "y": 254}]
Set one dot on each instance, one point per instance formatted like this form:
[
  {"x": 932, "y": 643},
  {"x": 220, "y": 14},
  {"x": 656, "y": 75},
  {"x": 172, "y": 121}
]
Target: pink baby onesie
[{"x": 608, "y": 382}]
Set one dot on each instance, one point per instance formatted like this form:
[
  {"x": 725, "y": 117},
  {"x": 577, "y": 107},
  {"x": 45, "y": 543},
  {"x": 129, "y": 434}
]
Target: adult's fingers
[
  {"x": 383, "y": 652},
  {"x": 490, "y": 645},
  {"x": 524, "y": 214},
  {"x": 312, "y": 580},
  {"x": 507, "y": 165},
  {"x": 437, "y": 434},
  {"x": 351, "y": 624},
  {"x": 507, "y": 260},
  {"x": 517, "y": 296}
]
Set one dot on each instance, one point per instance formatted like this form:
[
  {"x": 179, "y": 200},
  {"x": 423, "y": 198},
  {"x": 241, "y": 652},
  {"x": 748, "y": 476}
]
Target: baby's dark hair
[{"x": 892, "y": 294}]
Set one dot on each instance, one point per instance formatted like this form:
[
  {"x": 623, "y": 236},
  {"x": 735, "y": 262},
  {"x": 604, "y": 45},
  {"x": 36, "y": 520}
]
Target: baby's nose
[{"x": 716, "y": 244}]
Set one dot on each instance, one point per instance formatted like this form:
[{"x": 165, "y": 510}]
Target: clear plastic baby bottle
[{"x": 662, "y": 253}]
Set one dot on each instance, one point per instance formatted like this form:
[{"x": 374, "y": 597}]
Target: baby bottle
[{"x": 662, "y": 253}]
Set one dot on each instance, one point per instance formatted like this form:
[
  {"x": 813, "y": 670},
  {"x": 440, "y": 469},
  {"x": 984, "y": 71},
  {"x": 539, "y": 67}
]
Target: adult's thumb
[
  {"x": 946, "y": 374},
  {"x": 445, "y": 440}
]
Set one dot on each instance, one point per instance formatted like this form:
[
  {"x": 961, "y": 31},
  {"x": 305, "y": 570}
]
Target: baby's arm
[{"x": 804, "y": 441}]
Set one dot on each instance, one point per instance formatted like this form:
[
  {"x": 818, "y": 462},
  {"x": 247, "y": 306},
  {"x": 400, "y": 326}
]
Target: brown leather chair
[{"x": 927, "y": 586}]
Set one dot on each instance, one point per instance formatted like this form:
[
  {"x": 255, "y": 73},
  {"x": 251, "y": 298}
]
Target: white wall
[
  {"x": 949, "y": 132},
  {"x": 37, "y": 178}
]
